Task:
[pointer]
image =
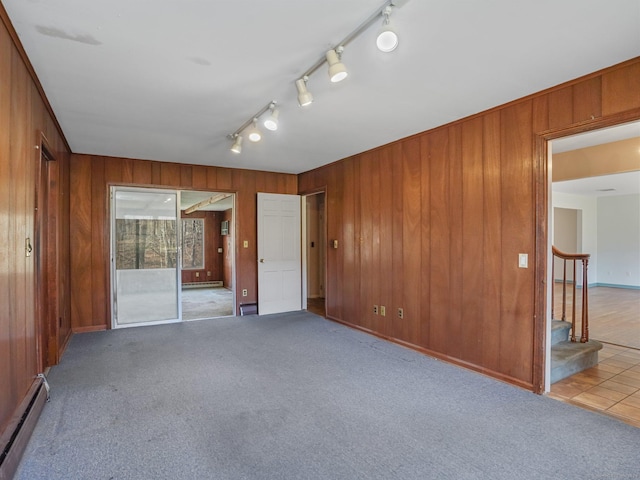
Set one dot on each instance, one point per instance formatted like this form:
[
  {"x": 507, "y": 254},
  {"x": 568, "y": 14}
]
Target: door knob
[{"x": 262, "y": 260}]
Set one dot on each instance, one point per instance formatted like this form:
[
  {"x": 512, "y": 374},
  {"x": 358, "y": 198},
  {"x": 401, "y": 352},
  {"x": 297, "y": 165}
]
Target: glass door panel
[{"x": 145, "y": 260}]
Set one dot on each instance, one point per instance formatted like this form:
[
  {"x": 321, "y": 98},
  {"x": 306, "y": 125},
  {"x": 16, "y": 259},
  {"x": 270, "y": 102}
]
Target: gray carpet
[{"x": 298, "y": 397}]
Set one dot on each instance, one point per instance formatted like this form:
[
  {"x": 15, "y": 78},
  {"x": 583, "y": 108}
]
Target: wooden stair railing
[{"x": 573, "y": 257}]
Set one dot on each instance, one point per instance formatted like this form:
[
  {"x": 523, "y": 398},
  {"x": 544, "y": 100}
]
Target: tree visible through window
[
  {"x": 145, "y": 243},
  {"x": 192, "y": 243}
]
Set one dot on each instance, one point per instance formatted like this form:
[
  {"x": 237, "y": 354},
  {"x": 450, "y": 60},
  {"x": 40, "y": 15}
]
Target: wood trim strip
[
  {"x": 425, "y": 351},
  {"x": 91, "y": 328},
  {"x": 4, "y": 16},
  {"x": 19, "y": 431}
]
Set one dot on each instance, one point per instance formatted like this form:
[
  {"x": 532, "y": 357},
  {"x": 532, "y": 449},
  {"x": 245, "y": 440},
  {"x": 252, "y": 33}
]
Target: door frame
[
  {"x": 543, "y": 217},
  {"x": 112, "y": 268},
  {"x": 46, "y": 253},
  {"x": 305, "y": 245}
]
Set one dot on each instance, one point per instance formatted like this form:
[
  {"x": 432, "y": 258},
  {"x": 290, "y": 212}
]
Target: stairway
[{"x": 568, "y": 358}]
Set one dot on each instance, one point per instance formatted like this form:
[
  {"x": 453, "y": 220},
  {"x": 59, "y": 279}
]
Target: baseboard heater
[
  {"x": 217, "y": 283},
  {"x": 16, "y": 436}
]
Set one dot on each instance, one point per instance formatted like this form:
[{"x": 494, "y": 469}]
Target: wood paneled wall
[
  {"x": 434, "y": 223},
  {"x": 91, "y": 176},
  {"x": 212, "y": 241},
  {"x": 24, "y": 121}
]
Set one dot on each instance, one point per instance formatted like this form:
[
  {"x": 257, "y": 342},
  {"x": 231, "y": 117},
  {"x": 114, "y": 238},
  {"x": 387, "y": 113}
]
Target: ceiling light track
[
  {"x": 253, "y": 132},
  {"x": 337, "y": 73}
]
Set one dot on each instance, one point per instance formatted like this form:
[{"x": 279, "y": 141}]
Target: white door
[{"x": 279, "y": 257}]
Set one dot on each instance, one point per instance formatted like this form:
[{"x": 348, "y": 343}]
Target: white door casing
[{"x": 279, "y": 253}]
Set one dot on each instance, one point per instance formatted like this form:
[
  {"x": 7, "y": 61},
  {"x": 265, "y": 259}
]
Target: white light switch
[{"x": 523, "y": 260}]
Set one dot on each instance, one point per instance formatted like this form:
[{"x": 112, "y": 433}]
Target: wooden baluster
[
  {"x": 573, "y": 304},
  {"x": 585, "y": 302},
  {"x": 564, "y": 290},
  {"x": 553, "y": 286}
]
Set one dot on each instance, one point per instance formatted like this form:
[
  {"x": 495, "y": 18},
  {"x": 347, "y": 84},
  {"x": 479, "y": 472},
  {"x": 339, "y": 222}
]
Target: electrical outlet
[
  {"x": 400, "y": 313},
  {"x": 197, "y": 274},
  {"x": 375, "y": 309},
  {"x": 245, "y": 244},
  {"x": 383, "y": 311},
  {"x": 208, "y": 274},
  {"x": 244, "y": 292}
]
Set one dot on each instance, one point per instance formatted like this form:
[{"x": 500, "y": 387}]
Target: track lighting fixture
[
  {"x": 271, "y": 123},
  {"x": 337, "y": 70},
  {"x": 237, "y": 144},
  {"x": 254, "y": 134},
  {"x": 250, "y": 129},
  {"x": 387, "y": 39},
  {"x": 304, "y": 96}
]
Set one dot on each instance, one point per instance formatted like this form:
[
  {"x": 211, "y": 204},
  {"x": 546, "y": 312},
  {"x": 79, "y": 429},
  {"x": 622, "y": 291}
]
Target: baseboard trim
[
  {"x": 93, "y": 328},
  {"x": 15, "y": 438},
  {"x": 446, "y": 358}
]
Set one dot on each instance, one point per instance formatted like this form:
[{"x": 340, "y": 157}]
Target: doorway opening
[
  {"x": 594, "y": 208},
  {"x": 207, "y": 272},
  {"x": 49, "y": 293},
  {"x": 170, "y": 258},
  {"x": 315, "y": 253}
]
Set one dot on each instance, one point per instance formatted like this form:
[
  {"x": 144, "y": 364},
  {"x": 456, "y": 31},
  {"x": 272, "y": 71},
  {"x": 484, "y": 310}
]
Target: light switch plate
[{"x": 523, "y": 260}]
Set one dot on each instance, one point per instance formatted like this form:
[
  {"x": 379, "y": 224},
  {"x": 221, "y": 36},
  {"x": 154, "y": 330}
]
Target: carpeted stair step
[
  {"x": 559, "y": 331},
  {"x": 568, "y": 358}
]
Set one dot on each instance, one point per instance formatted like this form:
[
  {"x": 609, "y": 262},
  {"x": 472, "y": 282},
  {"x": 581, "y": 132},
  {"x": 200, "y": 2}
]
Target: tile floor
[{"x": 611, "y": 387}]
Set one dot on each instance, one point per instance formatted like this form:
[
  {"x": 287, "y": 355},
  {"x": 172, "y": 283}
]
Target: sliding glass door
[{"x": 144, "y": 256}]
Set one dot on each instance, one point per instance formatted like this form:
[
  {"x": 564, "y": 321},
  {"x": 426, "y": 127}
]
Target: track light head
[
  {"x": 304, "y": 97},
  {"x": 271, "y": 123},
  {"x": 254, "y": 134},
  {"x": 337, "y": 70},
  {"x": 237, "y": 144},
  {"x": 387, "y": 39}
]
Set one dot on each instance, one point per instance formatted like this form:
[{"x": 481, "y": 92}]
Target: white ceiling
[
  {"x": 596, "y": 137},
  {"x": 168, "y": 80},
  {"x": 603, "y": 186}
]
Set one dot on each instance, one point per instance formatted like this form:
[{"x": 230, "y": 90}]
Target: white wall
[
  {"x": 589, "y": 208},
  {"x": 619, "y": 240}
]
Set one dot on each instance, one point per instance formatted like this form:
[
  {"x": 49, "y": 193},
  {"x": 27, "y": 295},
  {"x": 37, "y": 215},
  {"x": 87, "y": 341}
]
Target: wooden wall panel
[
  {"x": 21, "y": 227},
  {"x": 425, "y": 252},
  {"x": 24, "y": 118},
  {"x": 491, "y": 296},
  {"x": 103, "y": 171},
  {"x": 621, "y": 88},
  {"x": 472, "y": 246},
  {"x": 455, "y": 324},
  {"x": 439, "y": 242},
  {"x": 368, "y": 297},
  {"x": 462, "y": 207},
  {"x": 518, "y": 236},
  {"x": 587, "y": 100},
  {"x": 91, "y": 177},
  {"x": 385, "y": 195},
  {"x": 8, "y": 396},
  {"x": 350, "y": 268},
  {"x": 81, "y": 227},
  {"x": 411, "y": 240},
  {"x": 334, "y": 290}
]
